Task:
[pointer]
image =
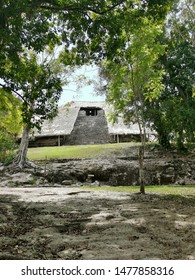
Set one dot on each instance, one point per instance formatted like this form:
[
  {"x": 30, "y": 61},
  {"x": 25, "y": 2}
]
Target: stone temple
[{"x": 80, "y": 123}]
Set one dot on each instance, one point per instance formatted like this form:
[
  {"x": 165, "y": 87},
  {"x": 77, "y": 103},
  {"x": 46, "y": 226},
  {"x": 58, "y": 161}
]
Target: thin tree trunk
[
  {"x": 138, "y": 99},
  {"x": 21, "y": 157},
  {"x": 141, "y": 169},
  {"x": 141, "y": 153}
]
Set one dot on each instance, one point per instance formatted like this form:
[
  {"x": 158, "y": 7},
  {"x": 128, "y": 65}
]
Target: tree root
[{"x": 25, "y": 166}]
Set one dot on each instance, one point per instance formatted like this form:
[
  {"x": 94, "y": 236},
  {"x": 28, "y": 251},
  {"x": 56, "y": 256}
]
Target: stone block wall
[{"x": 91, "y": 129}]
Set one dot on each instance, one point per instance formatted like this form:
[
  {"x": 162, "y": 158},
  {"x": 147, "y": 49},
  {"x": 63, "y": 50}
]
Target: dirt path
[{"x": 71, "y": 223}]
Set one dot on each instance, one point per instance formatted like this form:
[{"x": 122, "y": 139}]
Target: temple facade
[{"x": 80, "y": 123}]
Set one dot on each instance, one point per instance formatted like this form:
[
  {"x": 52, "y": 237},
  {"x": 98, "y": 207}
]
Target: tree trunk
[
  {"x": 180, "y": 144},
  {"x": 141, "y": 169},
  {"x": 163, "y": 140},
  {"x": 21, "y": 157},
  {"x": 141, "y": 154}
]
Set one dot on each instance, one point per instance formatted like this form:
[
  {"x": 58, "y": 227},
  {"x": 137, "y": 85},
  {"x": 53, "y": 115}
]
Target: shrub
[{"x": 7, "y": 147}]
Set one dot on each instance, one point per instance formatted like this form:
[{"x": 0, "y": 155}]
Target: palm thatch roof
[{"x": 63, "y": 123}]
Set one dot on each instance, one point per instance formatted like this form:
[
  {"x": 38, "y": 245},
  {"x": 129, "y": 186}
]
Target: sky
[{"x": 79, "y": 91}]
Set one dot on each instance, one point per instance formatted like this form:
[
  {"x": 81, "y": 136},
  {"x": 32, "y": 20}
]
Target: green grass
[
  {"x": 85, "y": 151},
  {"x": 81, "y": 151},
  {"x": 105, "y": 150},
  {"x": 164, "y": 189}
]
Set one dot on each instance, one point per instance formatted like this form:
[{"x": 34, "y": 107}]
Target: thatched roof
[{"x": 64, "y": 122}]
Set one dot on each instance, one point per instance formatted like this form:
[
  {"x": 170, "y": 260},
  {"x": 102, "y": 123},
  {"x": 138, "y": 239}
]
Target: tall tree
[
  {"x": 134, "y": 78},
  {"x": 38, "y": 85},
  {"x": 88, "y": 29},
  {"x": 180, "y": 71},
  {"x": 32, "y": 25},
  {"x": 173, "y": 114}
]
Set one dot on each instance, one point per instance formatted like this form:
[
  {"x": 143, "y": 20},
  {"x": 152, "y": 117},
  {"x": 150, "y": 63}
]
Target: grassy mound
[{"x": 81, "y": 151}]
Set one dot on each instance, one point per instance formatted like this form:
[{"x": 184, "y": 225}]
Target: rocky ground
[
  {"x": 47, "y": 214},
  {"x": 71, "y": 223},
  {"x": 123, "y": 170}
]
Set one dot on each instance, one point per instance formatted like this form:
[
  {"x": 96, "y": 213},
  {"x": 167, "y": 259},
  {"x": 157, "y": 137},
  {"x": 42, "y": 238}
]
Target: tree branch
[
  {"x": 52, "y": 5},
  {"x": 6, "y": 88}
]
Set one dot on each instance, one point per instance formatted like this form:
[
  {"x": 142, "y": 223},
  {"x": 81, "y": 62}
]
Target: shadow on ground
[{"x": 91, "y": 225}]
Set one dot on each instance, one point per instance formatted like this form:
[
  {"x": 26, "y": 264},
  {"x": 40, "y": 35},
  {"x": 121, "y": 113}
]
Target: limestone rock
[
  {"x": 67, "y": 182},
  {"x": 122, "y": 172}
]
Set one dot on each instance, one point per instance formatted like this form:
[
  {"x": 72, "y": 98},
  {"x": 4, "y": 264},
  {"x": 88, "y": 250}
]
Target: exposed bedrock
[
  {"x": 106, "y": 171},
  {"x": 123, "y": 172}
]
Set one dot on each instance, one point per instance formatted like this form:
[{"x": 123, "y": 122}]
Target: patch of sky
[{"x": 82, "y": 86}]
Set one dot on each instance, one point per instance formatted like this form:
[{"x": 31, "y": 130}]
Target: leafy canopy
[
  {"x": 37, "y": 84},
  {"x": 10, "y": 113}
]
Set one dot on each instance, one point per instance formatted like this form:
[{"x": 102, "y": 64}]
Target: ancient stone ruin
[{"x": 80, "y": 123}]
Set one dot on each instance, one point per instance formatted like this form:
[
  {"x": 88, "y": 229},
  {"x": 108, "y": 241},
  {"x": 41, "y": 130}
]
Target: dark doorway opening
[{"x": 91, "y": 111}]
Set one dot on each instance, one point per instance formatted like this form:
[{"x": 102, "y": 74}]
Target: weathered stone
[
  {"x": 67, "y": 182},
  {"x": 2, "y": 168},
  {"x": 90, "y": 177},
  {"x": 119, "y": 172},
  {"x": 18, "y": 179},
  {"x": 114, "y": 171},
  {"x": 167, "y": 179},
  {"x": 56, "y": 185},
  {"x": 40, "y": 181},
  {"x": 96, "y": 183},
  {"x": 180, "y": 182},
  {"x": 66, "y": 254}
]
